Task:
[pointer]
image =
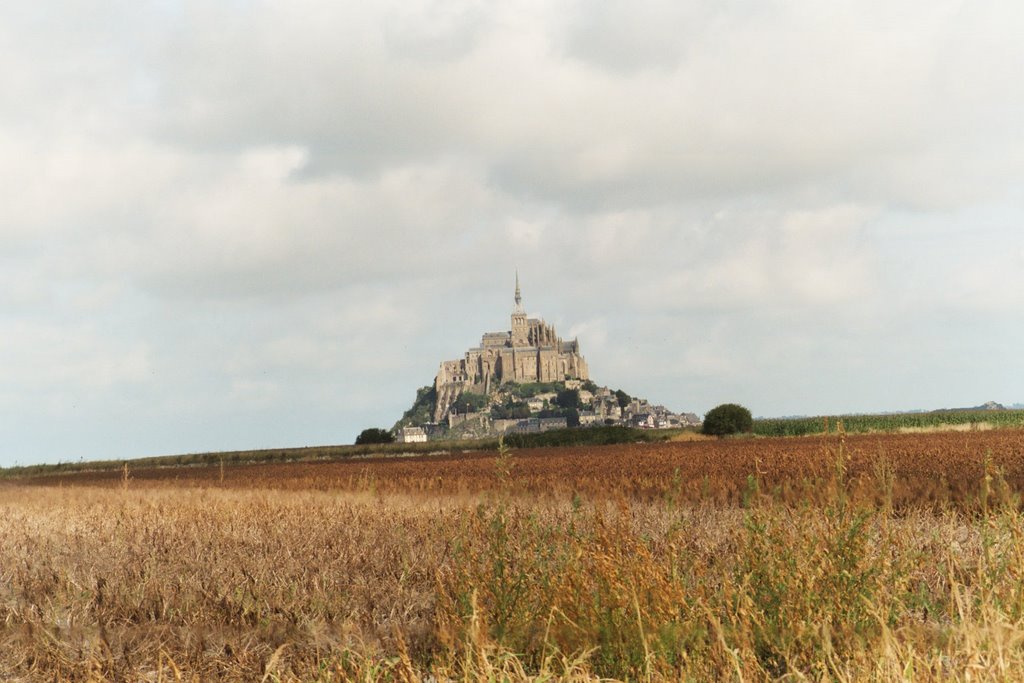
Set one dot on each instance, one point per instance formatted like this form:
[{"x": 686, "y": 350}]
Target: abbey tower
[{"x": 531, "y": 351}]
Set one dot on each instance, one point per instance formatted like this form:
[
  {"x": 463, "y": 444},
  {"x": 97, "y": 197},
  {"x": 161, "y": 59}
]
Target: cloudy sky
[{"x": 235, "y": 224}]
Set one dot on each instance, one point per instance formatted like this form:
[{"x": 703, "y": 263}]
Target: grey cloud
[
  {"x": 270, "y": 77},
  {"x": 626, "y": 37},
  {"x": 436, "y": 31},
  {"x": 300, "y": 211},
  {"x": 767, "y": 97}
]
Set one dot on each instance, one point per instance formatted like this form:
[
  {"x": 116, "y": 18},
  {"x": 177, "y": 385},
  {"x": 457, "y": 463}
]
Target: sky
[{"x": 228, "y": 224}]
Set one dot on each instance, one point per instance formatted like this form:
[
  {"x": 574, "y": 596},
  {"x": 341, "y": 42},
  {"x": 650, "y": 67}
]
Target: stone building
[
  {"x": 530, "y": 352},
  {"x": 412, "y": 435}
]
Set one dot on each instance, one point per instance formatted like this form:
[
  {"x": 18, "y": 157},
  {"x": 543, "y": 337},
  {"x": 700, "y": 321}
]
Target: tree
[
  {"x": 468, "y": 402},
  {"x": 510, "y": 410},
  {"x": 374, "y": 435},
  {"x": 728, "y": 418},
  {"x": 623, "y": 398},
  {"x": 572, "y": 418},
  {"x": 568, "y": 398}
]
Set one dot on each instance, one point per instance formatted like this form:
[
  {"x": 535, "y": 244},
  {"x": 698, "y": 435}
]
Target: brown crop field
[
  {"x": 931, "y": 468},
  {"x": 868, "y": 557}
]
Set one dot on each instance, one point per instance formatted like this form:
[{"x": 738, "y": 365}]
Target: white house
[{"x": 412, "y": 435}]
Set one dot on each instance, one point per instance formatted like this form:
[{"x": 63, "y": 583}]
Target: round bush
[
  {"x": 728, "y": 418},
  {"x": 374, "y": 435}
]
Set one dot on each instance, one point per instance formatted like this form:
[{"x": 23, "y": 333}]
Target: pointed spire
[{"x": 519, "y": 298}]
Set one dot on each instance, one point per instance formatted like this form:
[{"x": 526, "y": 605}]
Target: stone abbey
[{"x": 530, "y": 352}]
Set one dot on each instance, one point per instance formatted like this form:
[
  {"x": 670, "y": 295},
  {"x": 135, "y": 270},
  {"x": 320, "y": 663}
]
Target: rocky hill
[
  {"x": 536, "y": 407},
  {"x": 521, "y": 380}
]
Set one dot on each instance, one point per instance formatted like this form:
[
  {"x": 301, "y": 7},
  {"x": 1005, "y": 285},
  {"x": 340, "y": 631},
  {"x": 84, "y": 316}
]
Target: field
[
  {"x": 840, "y": 557},
  {"x": 560, "y": 437},
  {"x": 892, "y": 422}
]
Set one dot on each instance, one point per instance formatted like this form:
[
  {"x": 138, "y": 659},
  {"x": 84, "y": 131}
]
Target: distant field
[
  {"x": 861, "y": 557},
  {"x": 978, "y": 420},
  {"x": 934, "y": 467},
  {"x": 898, "y": 422},
  {"x": 559, "y": 437}
]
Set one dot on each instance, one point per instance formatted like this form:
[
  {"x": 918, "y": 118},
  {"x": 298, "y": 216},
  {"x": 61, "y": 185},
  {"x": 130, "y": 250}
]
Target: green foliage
[
  {"x": 568, "y": 398},
  {"x": 531, "y": 389},
  {"x": 468, "y": 402},
  {"x": 422, "y": 409},
  {"x": 511, "y": 410},
  {"x": 623, "y": 398},
  {"x": 817, "y": 570},
  {"x": 572, "y": 417},
  {"x": 887, "y": 423},
  {"x": 728, "y": 418},
  {"x": 374, "y": 435},
  {"x": 589, "y": 385}
]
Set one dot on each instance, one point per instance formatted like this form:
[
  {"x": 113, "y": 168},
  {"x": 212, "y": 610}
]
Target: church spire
[{"x": 519, "y": 297}]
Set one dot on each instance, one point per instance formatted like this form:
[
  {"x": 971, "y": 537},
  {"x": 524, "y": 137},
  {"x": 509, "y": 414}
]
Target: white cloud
[
  {"x": 524, "y": 233},
  {"x": 270, "y": 199}
]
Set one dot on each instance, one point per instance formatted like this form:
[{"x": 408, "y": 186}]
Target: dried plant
[{"x": 847, "y": 558}]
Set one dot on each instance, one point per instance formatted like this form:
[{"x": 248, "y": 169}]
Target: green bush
[
  {"x": 510, "y": 411},
  {"x": 468, "y": 402},
  {"x": 728, "y": 418},
  {"x": 374, "y": 435},
  {"x": 568, "y": 398},
  {"x": 892, "y": 422}
]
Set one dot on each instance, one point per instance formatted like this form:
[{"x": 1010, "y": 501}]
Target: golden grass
[
  {"x": 169, "y": 580},
  {"x": 688, "y": 435}
]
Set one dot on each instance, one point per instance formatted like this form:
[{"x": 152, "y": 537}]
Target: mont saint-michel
[
  {"x": 530, "y": 352},
  {"x": 523, "y": 379}
]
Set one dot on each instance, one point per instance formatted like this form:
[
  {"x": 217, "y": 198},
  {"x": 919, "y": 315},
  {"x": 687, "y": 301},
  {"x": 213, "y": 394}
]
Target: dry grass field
[{"x": 876, "y": 557}]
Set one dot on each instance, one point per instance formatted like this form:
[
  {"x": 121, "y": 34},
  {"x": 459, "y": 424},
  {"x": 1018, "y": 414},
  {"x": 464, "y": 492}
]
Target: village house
[{"x": 412, "y": 435}]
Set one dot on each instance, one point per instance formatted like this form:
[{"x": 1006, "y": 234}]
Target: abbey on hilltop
[
  {"x": 530, "y": 352},
  {"x": 522, "y": 381}
]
